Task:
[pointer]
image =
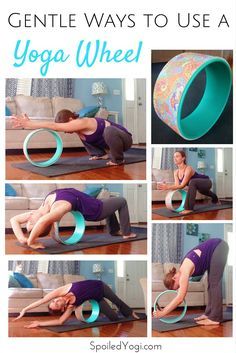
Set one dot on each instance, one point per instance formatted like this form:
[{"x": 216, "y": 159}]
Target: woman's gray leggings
[
  {"x": 214, "y": 308},
  {"x": 117, "y": 141},
  {"x": 201, "y": 185},
  {"x": 110, "y": 206}
]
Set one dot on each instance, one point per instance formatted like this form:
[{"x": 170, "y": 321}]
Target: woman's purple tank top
[
  {"x": 85, "y": 290},
  {"x": 195, "y": 176},
  {"x": 90, "y": 207},
  {"x": 97, "y": 138},
  {"x": 202, "y": 263}
]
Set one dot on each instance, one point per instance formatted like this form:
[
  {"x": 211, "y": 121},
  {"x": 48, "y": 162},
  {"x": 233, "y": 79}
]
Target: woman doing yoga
[
  {"x": 61, "y": 201},
  {"x": 64, "y": 300},
  {"x": 99, "y": 136},
  {"x": 210, "y": 256},
  {"x": 184, "y": 176}
]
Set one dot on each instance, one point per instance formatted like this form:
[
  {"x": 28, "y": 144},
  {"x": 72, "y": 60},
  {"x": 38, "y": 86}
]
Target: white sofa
[
  {"x": 39, "y": 108},
  {"x": 197, "y": 291},
  {"x": 18, "y": 298},
  {"x": 31, "y": 196},
  {"x": 167, "y": 176}
]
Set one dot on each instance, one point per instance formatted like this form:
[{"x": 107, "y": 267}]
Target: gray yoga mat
[
  {"x": 80, "y": 164},
  {"x": 186, "y": 322},
  {"x": 197, "y": 209},
  {"x": 88, "y": 241},
  {"x": 74, "y": 324}
]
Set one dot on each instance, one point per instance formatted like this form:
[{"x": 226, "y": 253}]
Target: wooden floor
[
  {"x": 126, "y": 329},
  {"x": 225, "y": 214},
  {"x": 135, "y": 171},
  {"x": 133, "y": 247},
  {"x": 223, "y": 330}
]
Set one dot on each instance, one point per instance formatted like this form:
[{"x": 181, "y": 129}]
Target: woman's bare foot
[
  {"x": 37, "y": 246},
  {"x": 135, "y": 315},
  {"x": 202, "y": 317},
  {"x": 113, "y": 163},
  {"x": 186, "y": 212},
  {"x": 130, "y": 236},
  {"x": 207, "y": 322},
  {"x": 118, "y": 234},
  {"x": 95, "y": 158},
  {"x": 22, "y": 239}
]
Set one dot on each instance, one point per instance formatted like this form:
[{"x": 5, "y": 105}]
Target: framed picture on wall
[
  {"x": 192, "y": 229},
  {"x": 203, "y": 237},
  {"x": 201, "y": 154}
]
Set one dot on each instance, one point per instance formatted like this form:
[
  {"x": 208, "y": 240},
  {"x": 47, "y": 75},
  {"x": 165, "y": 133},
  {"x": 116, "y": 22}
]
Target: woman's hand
[
  {"x": 33, "y": 324},
  {"x": 162, "y": 186},
  {"x": 157, "y": 314},
  {"x": 20, "y": 121},
  {"x": 22, "y": 313}
]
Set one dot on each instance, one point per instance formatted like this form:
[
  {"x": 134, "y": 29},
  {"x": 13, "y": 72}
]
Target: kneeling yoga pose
[
  {"x": 97, "y": 135},
  {"x": 210, "y": 256},
  {"x": 61, "y": 201},
  {"x": 184, "y": 176},
  {"x": 64, "y": 300}
]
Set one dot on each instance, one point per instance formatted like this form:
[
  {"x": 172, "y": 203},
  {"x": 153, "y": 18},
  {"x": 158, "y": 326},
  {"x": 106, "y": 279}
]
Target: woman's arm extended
[
  {"x": 25, "y": 122},
  {"x": 177, "y": 300},
  {"x": 16, "y": 222},
  {"x": 46, "y": 299},
  {"x": 55, "y": 322},
  {"x": 48, "y": 219}
]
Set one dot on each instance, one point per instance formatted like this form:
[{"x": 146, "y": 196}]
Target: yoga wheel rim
[
  {"x": 95, "y": 311},
  {"x": 172, "y": 319},
  {"x": 168, "y": 200},
  {"x": 78, "y": 231},
  {"x": 173, "y": 84},
  {"x": 54, "y": 158}
]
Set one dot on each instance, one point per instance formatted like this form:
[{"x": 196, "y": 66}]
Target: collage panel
[
  {"x": 76, "y": 129},
  {"x": 192, "y": 279},
  {"x": 192, "y": 96},
  {"x": 78, "y": 218},
  {"x": 89, "y": 298},
  {"x": 192, "y": 183}
]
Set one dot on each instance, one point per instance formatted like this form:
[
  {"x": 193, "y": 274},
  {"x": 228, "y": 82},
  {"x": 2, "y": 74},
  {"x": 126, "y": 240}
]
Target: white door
[
  {"x": 134, "y": 108},
  {"x": 224, "y": 160},
  {"x": 136, "y": 196},
  {"x": 128, "y": 286}
]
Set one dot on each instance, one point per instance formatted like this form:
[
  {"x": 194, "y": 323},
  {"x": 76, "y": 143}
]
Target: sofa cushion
[
  {"x": 157, "y": 271},
  {"x": 11, "y": 105},
  {"x": 102, "y": 113},
  {"x": 35, "y": 202},
  {"x": 158, "y": 286},
  {"x": 37, "y": 190},
  {"x": 9, "y": 190},
  {"x": 49, "y": 281},
  {"x": 72, "y": 278},
  {"x": 59, "y": 103},
  {"x": 23, "y": 280},
  {"x": 25, "y": 293},
  {"x": 163, "y": 175},
  {"x": 33, "y": 279},
  {"x": 34, "y": 106},
  {"x": 196, "y": 287},
  {"x": 12, "y": 282},
  {"x": 88, "y": 111},
  {"x": 16, "y": 203}
]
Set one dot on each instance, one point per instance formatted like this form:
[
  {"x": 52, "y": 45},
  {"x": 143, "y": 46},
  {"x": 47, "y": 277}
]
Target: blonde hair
[{"x": 168, "y": 279}]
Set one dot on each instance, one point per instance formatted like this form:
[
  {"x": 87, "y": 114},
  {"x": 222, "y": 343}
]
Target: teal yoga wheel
[
  {"x": 169, "y": 199},
  {"x": 94, "y": 314},
  {"x": 172, "y": 319},
  {"x": 173, "y": 84},
  {"x": 77, "y": 234},
  {"x": 54, "y": 158}
]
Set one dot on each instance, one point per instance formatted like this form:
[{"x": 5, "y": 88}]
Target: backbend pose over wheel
[
  {"x": 61, "y": 201},
  {"x": 210, "y": 256},
  {"x": 184, "y": 176},
  {"x": 99, "y": 136},
  {"x": 64, "y": 300}
]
